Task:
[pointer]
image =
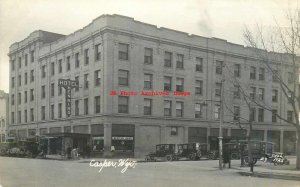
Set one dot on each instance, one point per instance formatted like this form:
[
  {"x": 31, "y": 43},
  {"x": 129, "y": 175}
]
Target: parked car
[
  {"x": 191, "y": 151},
  {"x": 162, "y": 152}
]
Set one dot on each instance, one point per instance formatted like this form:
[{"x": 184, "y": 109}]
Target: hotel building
[{"x": 115, "y": 54}]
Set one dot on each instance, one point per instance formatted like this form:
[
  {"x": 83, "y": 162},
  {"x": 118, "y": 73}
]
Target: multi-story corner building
[
  {"x": 115, "y": 59},
  {"x": 3, "y": 115}
]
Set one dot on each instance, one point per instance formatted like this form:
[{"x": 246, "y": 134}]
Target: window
[
  {"x": 179, "y": 84},
  {"x": 147, "y": 106},
  {"x": 275, "y": 76},
  {"x": 97, "y": 78},
  {"x": 167, "y": 108},
  {"x": 43, "y": 90},
  {"x": 97, "y": 52},
  {"x": 68, "y": 64},
  {"x": 174, "y": 131},
  {"x": 147, "y": 81},
  {"x": 167, "y": 83},
  {"x": 52, "y": 112},
  {"x": 19, "y": 80},
  {"x": 20, "y": 62},
  {"x": 236, "y": 113},
  {"x": 31, "y": 95},
  {"x": 86, "y": 56},
  {"x": 289, "y": 116},
  {"x": 60, "y": 66},
  {"x": 25, "y": 97},
  {"x": 26, "y": 59},
  {"x": 77, "y": 80},
  {"x": 76, "y": 107},
  {"x": 260, "y": 115},
  {"x": 25, "y": 116},
  {"x": 148, "y": 57},
  {"x": 32, "y": 56},
  {"x": 275, "y": 96},
  {"x": 219, "y": 67},
  {"x": 86, "y": 106},
  {"x": 179, "y": 62},
  {"x": 52, "y": 89},
  {"x": 290, "y": 77},
  {"x": 12, "y": 99},
  {"x": 274, "y": 115},
  {"x": 12, "y": 117},
  {"x": 13, "y": 65},
  {"x": 168, "y": 59},
  {"x": 43, "y": 71},
  {"x": 236, "y": 92},
  {"x": 199, "y": 64},
  {"x": 123, "y": 51},
  {"x": 25, "y": 78},
  {"x": 59, "y": 110},
  {"x": 31, "y": 114},
  {"x": 19, "y": 98},
  {"x": 59, "y": 90},
  {"x": 123, "y": 104},
  {"x": 261, "y": 93},
  {"x": 217, "y": 111},
  {"x": 97, "y": 104},
  {"x": 218, "y": 89},
  {"x": 31, "y": 75},
  {"x": 198, "y": 110},
  {"x": 43, "y": 113},
  {"x": 252, "y": 93},
  {"x": 19, "y": 116},
  {"x": 86, "y": 81},
  {"x": 237, "y": 70},
  {"x": 179, "y": 109},
  {"x": 252, "y": 114},
  {"x": 261, "y": 74},
  {"x": 252, "y": 72},
  {"x": 123, "y": 78},
  {"x": 12, "y": 82},
  {"x": 77, "y": 60},
  {"x": 199, "y": 87}
]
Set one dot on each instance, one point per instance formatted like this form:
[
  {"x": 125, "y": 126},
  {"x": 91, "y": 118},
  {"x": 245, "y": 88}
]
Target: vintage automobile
[
  {"x": 163, "y": 152},
  {"x": 192, "y": 151}
]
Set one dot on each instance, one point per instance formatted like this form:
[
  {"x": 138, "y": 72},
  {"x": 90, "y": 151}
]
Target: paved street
[{"x": 15, "y": 172}]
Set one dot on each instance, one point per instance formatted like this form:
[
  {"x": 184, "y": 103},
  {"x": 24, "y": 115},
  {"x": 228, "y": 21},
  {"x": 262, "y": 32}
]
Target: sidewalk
[{"x": 267, "y": 170}]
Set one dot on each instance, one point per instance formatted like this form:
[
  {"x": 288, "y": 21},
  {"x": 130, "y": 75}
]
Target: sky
[{"x": 224, "y": 19}]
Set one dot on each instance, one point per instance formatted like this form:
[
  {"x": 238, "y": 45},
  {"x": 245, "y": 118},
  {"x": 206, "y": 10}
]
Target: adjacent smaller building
[{"x": 3, "y": 115}]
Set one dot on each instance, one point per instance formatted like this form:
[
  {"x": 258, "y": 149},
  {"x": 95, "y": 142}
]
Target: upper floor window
[
  {"x": 86, "y": 81},
  {"x": 31, "y": 94},
  {"x": 236, "y": 113},
  {"x": 77, "y": 80},
  {"x": 123, "y": 104},
  {"x": 52, "y": 68},
  {"x": 252, "y": 72},
  {"x": 20, "y": 62},
  {"x": 260, "y": 114},
  {"x": 274, "y": 115},
  {"x": 274, "y": 96},
  {"x": 86, "y": 57},
  {"x": 218, "y": 89},
  {"x": 275, "y": 76},
  {"x": 199, "y": 87},
  {"x": 237, "y": 70},
  {"x": 77, "y": 61},
  {"x": 219, "y": 67},
  {"x": 217, "y": 111},
  {"x": 168, "y": 59},
  {"x": 60, "y": 66},
  {"x": 236, "y": 92},
  {"x": 167, "y": 108},
  {"x": 12, "y": 82},
  {"x": 179, "y": 109},
  {"x": 179, "y": 84},
  {"x": 198, "y": 110},
  {"x": 43, "y": 90},
  {"x": 43, "y": 113},
  {"x": 31, "y": 75},
  {"x": 123, "y": 77},
  {"x": 252, "y": 93},
  {"x": 252, "y": 114},
  {"x": 32, "y": 56},
  {"x": 199, "y": 64},
  {"x": 179, "y": 62},
  {"x": 289, "y": 116},
  {"x": 261, "y": 93},
  {"x": 68, "y": 63},
  {"x": 52, "y": 89},
  {"x": 97, "y": 104},
  {"x": 147, "y": 81},
  {"x": 43, "y": 71},
  {"x": 167, "y": 83},
  {"x": 261, "y": 74},
  {"x": 147, "y": 106},
  {"x": 25, "y": 78},
  {"x": 148, "y": 57},
  {"x": 123, "y": 51},
  {"x": 97, "y": 52},
  {"x": 26, "y": 59},
  {"x": 97, "y": 78},
  {"x": 20, "y": 80},
  {"x": 13, "y": 65}
]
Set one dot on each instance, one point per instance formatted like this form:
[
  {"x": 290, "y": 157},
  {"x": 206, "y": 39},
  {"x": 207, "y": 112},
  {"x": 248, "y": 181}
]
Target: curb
[{"x": 271, "y": 175}]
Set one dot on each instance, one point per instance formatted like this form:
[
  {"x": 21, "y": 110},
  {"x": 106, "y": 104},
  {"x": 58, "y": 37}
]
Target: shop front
[{"x": 122, "y": 140}]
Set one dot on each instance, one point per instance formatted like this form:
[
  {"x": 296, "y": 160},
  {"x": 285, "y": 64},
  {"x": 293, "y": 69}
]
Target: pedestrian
[
  {"x": 69, "y": 152},
  {"x": 88, "y": 151},
  {"x": 227, "y": 156}
]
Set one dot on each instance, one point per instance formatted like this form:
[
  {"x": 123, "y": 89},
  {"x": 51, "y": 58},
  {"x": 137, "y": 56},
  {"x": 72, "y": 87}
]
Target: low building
[{"x": 3, "y": 115}]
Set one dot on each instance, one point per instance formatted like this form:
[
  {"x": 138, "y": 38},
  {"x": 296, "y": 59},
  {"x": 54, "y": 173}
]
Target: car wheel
[
  {"x": 192, "y": 156},
  {"x": 210, "y": 156},
  {"x": 169, "y": 158}
]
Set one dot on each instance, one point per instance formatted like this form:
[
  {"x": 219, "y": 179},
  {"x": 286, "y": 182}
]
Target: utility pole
[{"x": 220, "y": 126}]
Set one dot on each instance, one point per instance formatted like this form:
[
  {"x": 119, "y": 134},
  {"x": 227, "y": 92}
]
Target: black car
[
  {"x": 191, "y": 151},
  {"x": 163, "y": 152}
]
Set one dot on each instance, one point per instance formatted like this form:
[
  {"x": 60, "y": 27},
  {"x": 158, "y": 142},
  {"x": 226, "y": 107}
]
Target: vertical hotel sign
[{"x": 68, "y": 85}]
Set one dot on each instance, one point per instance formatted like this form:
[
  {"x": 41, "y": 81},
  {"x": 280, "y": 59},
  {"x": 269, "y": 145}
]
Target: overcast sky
[{"x": 224, "y": 19}]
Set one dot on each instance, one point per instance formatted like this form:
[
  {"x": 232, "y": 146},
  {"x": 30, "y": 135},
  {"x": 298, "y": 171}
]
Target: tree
[{"x": 278, "y": 48}]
